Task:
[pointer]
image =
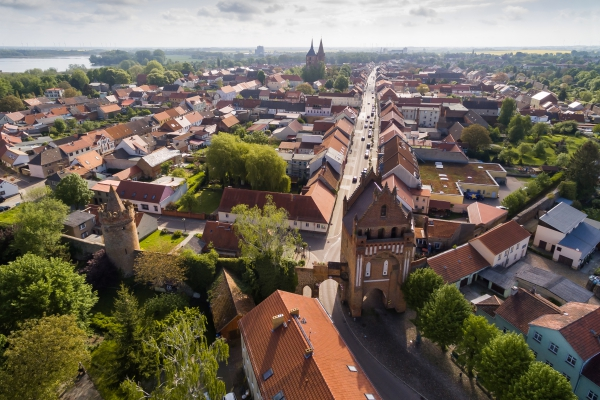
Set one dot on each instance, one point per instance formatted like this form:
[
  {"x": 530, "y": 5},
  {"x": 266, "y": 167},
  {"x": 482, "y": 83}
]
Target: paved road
[
  {"x": 387, "y": 384},
  {"x": 328, "y": 248}
]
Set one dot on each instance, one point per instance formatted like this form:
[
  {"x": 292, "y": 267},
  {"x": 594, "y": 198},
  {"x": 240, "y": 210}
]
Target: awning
[{"x": 439, "y": 205}]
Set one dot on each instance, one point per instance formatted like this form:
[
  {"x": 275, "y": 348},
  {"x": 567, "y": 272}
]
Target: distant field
[
  {"x": 180, "y": 57},
  {"x": 527, "y": 51}
]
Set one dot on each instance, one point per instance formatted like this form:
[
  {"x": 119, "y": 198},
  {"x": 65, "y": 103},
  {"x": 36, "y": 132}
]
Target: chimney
[
  {"x": 295, "y": 311},
  {"x": 513, "y": 290},
  {"x": 308, "y": 352},
  {"x": 277, "y": 321},
  {"x": 533, "y": 289}
]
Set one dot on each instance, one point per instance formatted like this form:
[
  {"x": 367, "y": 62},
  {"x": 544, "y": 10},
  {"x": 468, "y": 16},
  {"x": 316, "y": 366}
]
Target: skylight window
[
  {"x": 268, "y": 374},
  {"x": 352, "y": 368}
]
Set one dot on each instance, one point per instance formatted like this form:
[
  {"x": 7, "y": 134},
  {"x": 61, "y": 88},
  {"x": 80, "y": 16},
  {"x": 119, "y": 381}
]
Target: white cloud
[
  {"x": 22, "y": 4},
  {"x": 423, "y": 12},
  {"x": 515, "y": 12}
]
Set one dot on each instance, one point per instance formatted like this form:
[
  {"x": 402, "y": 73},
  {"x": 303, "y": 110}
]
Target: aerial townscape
[{"x": 187, "y": 215}]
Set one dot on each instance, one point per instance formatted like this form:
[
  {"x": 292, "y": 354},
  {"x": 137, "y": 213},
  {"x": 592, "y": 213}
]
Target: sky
[{"x": 292, "y": 23}]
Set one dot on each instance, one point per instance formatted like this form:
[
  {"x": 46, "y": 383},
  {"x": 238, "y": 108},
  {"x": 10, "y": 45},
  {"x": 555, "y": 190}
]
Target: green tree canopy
[
  {"x": 266, "y": 170},
  {"x": 32, "y": 286},
  {"x": 441, "y": 318},
  {"x": 515, "y": 201},
  {"x": 341, "y": 83},
  {"x": 540, "y": 129},
  {"x": 420, "y": 286},
  {"x": 189, "y": 201},
  {"x": 476, "y": 334},
  {"x": 541, "y": 381},
  {"x": 200, "y": 268},
  {"x": 73, "y": 191},
  {"x": 519, "y": 126},
  {"x": 5, "y": 88},
  {"x": 152, "y": 65},
  {"x": 39, "y": 225},
  {"x": 11, "y": 103},
  {"x": 509, "y": 105},
  {"x": 584, "y": 169},
  {"x": 79, "y": 79},
  {"x": 60, "y": 125},
  {"x": 313, "y": 73},
  {"x": 476, "y": 137},
  {"x": 260, "y": 75},
  {"x": 43, "y": 355},
  {"x": 503, "y": 361},
  {"x": 305, "y": 88},
  {"x": 422, "y": 88},
  {"x": 188, "y": 364}
]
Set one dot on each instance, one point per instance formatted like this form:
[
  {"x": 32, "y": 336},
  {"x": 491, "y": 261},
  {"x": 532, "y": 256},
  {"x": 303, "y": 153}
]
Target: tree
[
  {"x": 189, "y": 201},
  {"x": 159, "y": 269},
  {"x": 32, "y": 286},
  {"x": 341, "y": 83},
  {"x": 442, "y": 317},
  {"x": 260, "y": 75},
  {"x": 420, "y": 286},
  {"x": 134, "y": 71},
  {"x": 71, "y": 123},
  {"x": 540, "y": 129},
  {"x": 509, "y": 105},
  {"x": 73, "y": 191},
  {"x": 568, "y": 190},
  {"x": 476, "y": 334},
  {"x": 562, "y": 95},
  {"x": 188, "y": 364},
  {"x": 42, "y": 356},
  {"x": 7, "y": 252},
  {"x": 541, "y": 381},
  {"x": 500, "y": 77},
  {"x": 524, "y": 149},
  {"x": 39, "y": 226},
  {"x": 266, "y": 170},
  {"x": 11, "y": 104},
  {"x": 225, "y": 157},
  {"x": 152, "y": 65},
  {"x": 422, "y": 88},
  {"x": 5, "y": 88},
  {"x": 166, "y": 167},
  {"x": 518, "y": 127},
  {"x": 584, "y": 169},
  {"x": 313, "y": 73},
  {"x": 540, "y": 149},
  {"x": 305, "y": 88},
  {"x": 100, "y": 272},
  {"x": 503, "y": 361},
  {"x": 257, "y": 137},
  {"x": 329, "y": 84},
  {"x": 200, "y": 268},
  {"x": 515, "y": 201},
  {"x": 71, "y": 92},
  {"x": 79, "y": 79},
  {"x": 562, "y": 160},
  {"x": 508, "y": 155},
  {"x": 60, "y": 125},
  {"x": 476, "y": 137},
  {"x": 596, "y": 129}
]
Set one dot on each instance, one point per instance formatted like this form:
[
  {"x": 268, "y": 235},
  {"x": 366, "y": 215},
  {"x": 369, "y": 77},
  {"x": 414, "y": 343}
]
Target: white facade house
[
  {"x": 564, "y": 232},
  {"x": 54, "y": 93},
  {"x": 426, "y": 116},
  {"x": 503, "y": 245},
  {"x": 8, "y": 189}
]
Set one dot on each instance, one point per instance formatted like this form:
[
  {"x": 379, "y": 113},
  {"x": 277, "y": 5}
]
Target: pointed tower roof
[
  {"x": 321, "y": 51},
  {"x": 114, "y": 202},
  {"x": 311, "y": 52}
]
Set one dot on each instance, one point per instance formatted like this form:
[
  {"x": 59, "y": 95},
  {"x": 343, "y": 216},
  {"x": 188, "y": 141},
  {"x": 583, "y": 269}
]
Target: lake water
[{"x": 23, "y": 64}]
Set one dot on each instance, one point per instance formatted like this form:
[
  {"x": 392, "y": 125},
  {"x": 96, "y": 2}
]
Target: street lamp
[{"x": 183, "y": 219}]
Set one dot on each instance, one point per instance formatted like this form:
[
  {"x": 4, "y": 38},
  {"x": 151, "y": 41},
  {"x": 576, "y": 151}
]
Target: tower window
[{"x": 383, "y": 211}]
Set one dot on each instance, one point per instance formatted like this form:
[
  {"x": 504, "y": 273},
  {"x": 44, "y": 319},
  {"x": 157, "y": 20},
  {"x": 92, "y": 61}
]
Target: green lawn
[
  {"x": 210, "y": 198},
  {"x": 160, "y": 242},
  {"x": 194, "y": 180},
  {"x": 9, "y": 217},
  {"x": 571, "y": 142}
]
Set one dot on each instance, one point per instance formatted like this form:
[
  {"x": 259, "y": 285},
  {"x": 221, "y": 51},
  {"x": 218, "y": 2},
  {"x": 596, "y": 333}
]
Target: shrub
[
  {"x": 171, "y": 207},
  {"x": 576, "y": 204},
  {"x": 164, "y": 231},
  {"x": 177, "y": 234}
]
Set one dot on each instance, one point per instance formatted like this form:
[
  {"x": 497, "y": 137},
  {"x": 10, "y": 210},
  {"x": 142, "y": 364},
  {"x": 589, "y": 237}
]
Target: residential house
[
  {"x": 221, "y": 236},
  {"x": 137, "y": 145},
  {"x": 148, "y": 197},
  {"x": 564, "y": 232},
  {"x": 442, "y": 235},
  {"x": 288, "y": 338},
  {"x": 47, "y": 162},
  {"x": 138, "y": 127},
  {"x": 79, "y": 224},
  {"x": 103, "y": 142},
  {"x": 228, "y": 305},
  {"x": 109, "y": 111},
  {"x": 309, "y": 212},
  {"x": 181, "y": 142},
  {"x": 502, "y": 245},
  {"x": 288, "y": 131},
  {"x": 276, "y": 82},
  {"x": 8, "y": 189},
  {"x": 543, "y": 100},
  {"x": 568, "y": 341},
  {"x": 458, "y": 266},
  {"x": 54, "y": 93},
  {"x": 150, "y": 164},
  {"x": 486, "y": 215},
  {"x": 317, "y": 106},
  {"x": 91, "y": 161},
  {"x": 12, "y": 118},
  {"x": 14, "y": 158},
  {"x": 74, "y": 148},
  {"x": 102, "y": 189},
  {"x": 168, "y": 89}
]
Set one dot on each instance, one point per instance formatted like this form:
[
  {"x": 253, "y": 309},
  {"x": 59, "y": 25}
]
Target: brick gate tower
[
  {"x": 377, "y": 244},
  {"x": 119, "y": 231}
]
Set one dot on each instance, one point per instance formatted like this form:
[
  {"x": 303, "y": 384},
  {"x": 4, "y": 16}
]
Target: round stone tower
[{"x": 119, "y": 231}]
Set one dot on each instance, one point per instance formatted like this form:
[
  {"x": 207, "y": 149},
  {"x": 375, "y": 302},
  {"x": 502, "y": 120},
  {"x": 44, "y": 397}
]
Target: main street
[{"x": 328, "y": 248}]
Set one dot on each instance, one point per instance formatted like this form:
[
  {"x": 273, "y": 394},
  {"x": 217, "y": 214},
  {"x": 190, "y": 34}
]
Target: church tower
[
  {"x": 311, "y": 56},
  {"x": 119, "y": 231},
  {"x": 321, "y": 53}
]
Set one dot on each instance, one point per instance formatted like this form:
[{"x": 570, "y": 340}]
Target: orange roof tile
[
  {"x": 455, "y": 264},
  {"x": 503, "y": 237},
  {"x": 324, "y": 375},
  {"x": 90, "y": 160},
  {"x": 480, "y": 213}
]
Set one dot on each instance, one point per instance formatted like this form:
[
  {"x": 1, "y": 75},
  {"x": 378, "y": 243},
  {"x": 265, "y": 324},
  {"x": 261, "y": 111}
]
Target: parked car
[
  {"x": 4, "y": 208},
  {"x": 354, "y": 179},
  {"x": 2, "y": 199}
]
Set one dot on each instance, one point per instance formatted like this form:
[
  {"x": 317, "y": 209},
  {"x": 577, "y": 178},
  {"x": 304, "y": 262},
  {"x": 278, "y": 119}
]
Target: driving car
[
  {"x": 362, "y": 138},
  {"x": 354, "y": 179}
]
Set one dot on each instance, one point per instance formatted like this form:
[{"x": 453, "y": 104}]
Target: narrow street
[{"x": 328, "y": 248}]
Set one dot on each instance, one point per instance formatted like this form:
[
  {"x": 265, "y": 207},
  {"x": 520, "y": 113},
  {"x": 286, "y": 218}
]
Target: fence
[{"x": 191, "y": 215}]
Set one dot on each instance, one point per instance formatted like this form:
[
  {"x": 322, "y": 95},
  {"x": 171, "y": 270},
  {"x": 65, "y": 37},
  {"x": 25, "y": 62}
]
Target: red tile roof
[
  {"x": 455, "y": 264},
  {"x": 523, "y": 307},
  {"x": 221, "y": 235},
  {"x": 324, "y": 375},
  {"x": 503, "y": 237},
  {"x": 480, "y": 213}
]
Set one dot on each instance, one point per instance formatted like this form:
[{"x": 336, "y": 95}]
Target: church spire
[
  {"x": 321, "y": 51},
  {"x": 311, "y": 52}
]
